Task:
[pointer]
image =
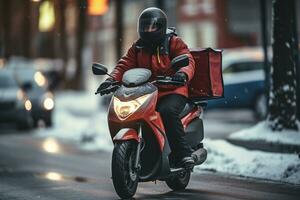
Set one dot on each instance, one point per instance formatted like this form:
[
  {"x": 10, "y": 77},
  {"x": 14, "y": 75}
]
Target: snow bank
[
  {"x": 227, "y": 158},
  {"x": 261, "y": 131},
  {"x": 97, "y": 136},
  {"x": 77, "y": 117}
]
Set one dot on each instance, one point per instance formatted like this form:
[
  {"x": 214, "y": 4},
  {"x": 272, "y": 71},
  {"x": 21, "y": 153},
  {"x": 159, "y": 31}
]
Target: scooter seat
[{"x": 187, "y": 108}]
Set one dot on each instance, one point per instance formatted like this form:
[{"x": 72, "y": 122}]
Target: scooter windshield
[{"x": 136, "y": 77}]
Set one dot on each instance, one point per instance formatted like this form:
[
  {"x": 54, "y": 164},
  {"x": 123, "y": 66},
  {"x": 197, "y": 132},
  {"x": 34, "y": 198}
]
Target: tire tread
[{"x": 119, "y": 158}]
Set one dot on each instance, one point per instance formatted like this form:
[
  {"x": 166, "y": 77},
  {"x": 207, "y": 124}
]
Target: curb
[{"x": 266, "y": 146}]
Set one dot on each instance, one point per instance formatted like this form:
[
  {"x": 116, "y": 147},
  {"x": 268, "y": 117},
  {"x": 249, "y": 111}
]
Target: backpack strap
[
  {"x": 171, "y": 31},
  {"x": 164, "y": 48}
]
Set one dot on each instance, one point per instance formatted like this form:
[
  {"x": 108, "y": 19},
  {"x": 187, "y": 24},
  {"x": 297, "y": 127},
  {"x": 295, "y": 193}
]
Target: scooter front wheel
[
  {"x": 180, "y": 181},
  {"x": 125, "y": 177}
]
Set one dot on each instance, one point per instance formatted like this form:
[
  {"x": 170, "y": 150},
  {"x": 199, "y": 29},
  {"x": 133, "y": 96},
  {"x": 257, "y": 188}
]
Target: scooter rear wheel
[
  {"x": 125, "y": 178},
  {"x": 179, "y": 182}
]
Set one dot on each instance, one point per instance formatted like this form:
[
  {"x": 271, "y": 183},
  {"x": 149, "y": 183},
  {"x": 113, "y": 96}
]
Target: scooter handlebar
[
  {"x": 108, "y": 90},
  {"x": 167, "y": 80},
  {"x": 161, "y": 80}
]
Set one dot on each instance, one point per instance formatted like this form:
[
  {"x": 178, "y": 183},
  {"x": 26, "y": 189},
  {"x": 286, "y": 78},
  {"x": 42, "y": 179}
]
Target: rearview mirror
[
  {"x": 99, "y": 69},
  {"x": 179, "y": 62}
]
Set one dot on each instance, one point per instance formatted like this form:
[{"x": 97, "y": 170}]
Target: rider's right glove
[
  {"x": 106, "y": 84},
  {"x": 180, "y": 77}
]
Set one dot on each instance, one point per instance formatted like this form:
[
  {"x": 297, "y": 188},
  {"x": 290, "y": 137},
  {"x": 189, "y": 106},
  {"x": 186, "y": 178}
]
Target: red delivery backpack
[{"x": 207, "y": 82}]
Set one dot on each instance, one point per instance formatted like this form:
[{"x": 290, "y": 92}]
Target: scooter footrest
[{"x": 177, "y": 170}]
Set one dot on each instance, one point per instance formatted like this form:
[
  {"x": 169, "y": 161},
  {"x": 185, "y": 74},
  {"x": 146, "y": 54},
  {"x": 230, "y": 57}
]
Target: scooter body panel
[
  {"x": 145, "y": 114},
  {"x": 126, "y": 134},
  {"x": 194, "y": 133},
  {"x": 195, "y": 113},
  {"x": 151, "y": 122}
]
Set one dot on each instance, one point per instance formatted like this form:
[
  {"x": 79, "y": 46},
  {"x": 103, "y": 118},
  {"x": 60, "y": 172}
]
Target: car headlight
[
  {"x": 21, "y": 100},
  {"x": 126, "y": 108},
  {"x": 20, "y": 95},
  {"x": 39, "y": 78},
  {"x": 28, "y": 105},
  {"x": 48, "y": 102}
]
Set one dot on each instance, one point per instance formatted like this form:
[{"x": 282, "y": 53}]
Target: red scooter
[{"x": 141, "y": 150}]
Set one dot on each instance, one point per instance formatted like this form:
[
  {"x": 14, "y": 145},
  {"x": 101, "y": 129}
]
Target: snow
[
  {"x": 79, "y": 118},
  {"x": 227, "y": 158},
  {"x": 261, "y": 131},
  {"x": 286, "y": 88}
]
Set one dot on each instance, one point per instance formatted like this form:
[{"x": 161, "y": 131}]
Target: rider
[{"x": 155, "y": 48}]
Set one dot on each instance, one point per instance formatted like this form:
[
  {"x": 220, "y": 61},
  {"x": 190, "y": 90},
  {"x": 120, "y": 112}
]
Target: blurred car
[
  {"x": 50, "y": 68},
  {"x": 14, "y": 104},
  {"x": 34, "y": 84},
  {"x": 244, "y": 81},
  {"x": 1, "y": 63}
]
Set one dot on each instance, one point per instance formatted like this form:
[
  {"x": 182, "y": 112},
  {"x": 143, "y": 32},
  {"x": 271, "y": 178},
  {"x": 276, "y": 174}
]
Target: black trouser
[{"x": 170, "y": 107}]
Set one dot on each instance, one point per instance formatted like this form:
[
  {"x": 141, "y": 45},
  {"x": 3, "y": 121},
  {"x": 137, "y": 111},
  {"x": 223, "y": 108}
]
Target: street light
[
  {"x": 46, "y": 16},
  {"x": 97, "y": 7}
]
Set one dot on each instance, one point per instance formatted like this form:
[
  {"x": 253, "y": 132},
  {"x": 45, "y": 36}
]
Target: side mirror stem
[{"x": 110, "y": 75}]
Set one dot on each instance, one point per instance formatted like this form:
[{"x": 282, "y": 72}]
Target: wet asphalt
[{"x": 34, "y": 168}]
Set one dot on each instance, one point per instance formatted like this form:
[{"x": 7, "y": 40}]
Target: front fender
[{"x": 126, "y": 134}]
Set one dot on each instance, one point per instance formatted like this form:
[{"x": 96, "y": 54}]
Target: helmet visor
[{"x": 149, "y": 25}]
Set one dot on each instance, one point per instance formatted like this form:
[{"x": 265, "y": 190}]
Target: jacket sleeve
[
  {"x": 127, "y": 62},
  {"x": 177, "y": 48}
]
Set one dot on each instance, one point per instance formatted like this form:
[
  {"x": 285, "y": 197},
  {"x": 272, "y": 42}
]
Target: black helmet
[{"x": 152, "y": 25}]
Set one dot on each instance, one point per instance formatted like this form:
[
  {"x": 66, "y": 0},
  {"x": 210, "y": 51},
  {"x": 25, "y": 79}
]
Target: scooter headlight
[{"x": 126, "y": 108}]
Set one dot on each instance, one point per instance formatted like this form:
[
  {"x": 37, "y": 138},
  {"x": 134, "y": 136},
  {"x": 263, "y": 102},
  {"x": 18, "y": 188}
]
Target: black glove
[
  {"x": 180, "y": 77},
  {"x": 106, "y": 84}
]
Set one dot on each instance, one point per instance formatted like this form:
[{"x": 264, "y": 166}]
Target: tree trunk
[
  {"x": 6, "y": 17},
  {"x": 1, "y": 30},
  {"x": 161, "y": 4},
  {"x": 26, "y": 30},
  {"x": 296, "y": 54},
  {"x": 119, "y": 28},
  {"x": 282, "y": 103},
  {"x": 61, "y": 29},
  {"x": 77, "y": 81},
  {"x": 264, "y": 36}
]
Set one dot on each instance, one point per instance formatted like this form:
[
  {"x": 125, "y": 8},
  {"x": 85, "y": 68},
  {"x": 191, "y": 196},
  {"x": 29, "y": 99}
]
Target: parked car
[
  {"x": 244, "y": 81},
  {"x": 50, "y": 68},
  {"x": 1, "y": 63},
  {"x": 14, "y": 104},
  {"x": 35, "y": 86}
]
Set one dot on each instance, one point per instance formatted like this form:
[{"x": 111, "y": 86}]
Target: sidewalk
[
  {"x": 266, "y": 146},
  {"x": 260, "y": 137},
  {"x": 227, "y": 158}
]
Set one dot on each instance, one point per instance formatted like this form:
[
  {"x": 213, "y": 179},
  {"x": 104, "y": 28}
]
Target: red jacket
[{"x": 158, "y": 64}]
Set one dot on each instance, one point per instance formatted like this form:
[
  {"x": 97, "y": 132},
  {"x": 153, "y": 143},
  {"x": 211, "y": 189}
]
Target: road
[
  {"x": 34, "y": 168},
  {"x": 219, "y": 124}
]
